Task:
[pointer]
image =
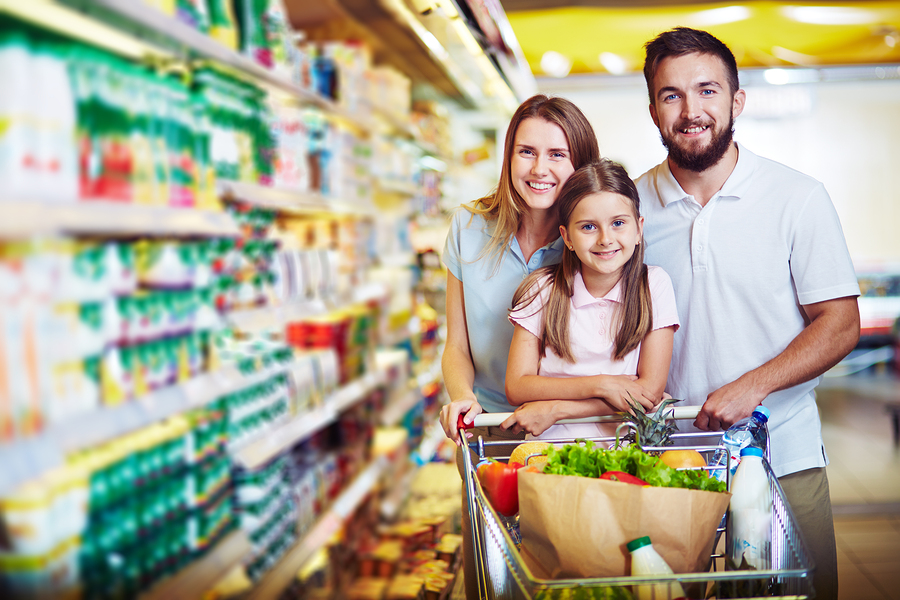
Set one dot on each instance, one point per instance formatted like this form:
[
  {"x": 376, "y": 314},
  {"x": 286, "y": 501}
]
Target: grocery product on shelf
[
  {"x": 38, "y": 160},
  {"x": 124, "y": 513}
]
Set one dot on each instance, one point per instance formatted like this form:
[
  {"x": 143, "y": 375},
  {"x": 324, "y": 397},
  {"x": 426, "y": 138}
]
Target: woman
[
  {"x": 493, "y": 244},
  {"x": 498, "y": 240}
]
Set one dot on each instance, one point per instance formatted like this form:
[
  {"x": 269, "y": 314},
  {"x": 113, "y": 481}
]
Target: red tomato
[
  {"x": 500, "y": 482},
  {"x": 623, "y": 477}
]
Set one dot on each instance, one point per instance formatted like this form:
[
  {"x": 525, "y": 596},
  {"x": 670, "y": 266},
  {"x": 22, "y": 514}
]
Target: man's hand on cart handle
[{"x": 495, "y": 419}]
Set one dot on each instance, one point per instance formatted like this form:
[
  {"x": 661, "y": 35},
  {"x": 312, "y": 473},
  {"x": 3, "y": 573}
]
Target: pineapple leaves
[{"x": 648, "y": 430}]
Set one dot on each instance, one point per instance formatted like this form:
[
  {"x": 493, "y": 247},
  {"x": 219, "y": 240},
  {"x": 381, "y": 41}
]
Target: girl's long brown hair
[
  {"x": 635, "y": 316},
  {"x": 504, "y": 205}
]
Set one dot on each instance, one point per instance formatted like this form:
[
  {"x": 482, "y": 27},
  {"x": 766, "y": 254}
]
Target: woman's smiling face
[{"x": 541, "y": 162}]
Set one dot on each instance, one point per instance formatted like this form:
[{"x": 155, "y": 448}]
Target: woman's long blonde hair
[
  {"x": 635, "y": 315},
  {"x": 504, "y": 205}
]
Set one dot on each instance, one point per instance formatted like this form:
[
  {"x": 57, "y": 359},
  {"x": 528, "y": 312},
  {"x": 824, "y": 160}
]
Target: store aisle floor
[{"x": 864, "y": 475}]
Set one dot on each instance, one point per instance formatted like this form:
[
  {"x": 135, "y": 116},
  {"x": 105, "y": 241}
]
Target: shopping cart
[{"x": 503, "y": 574}]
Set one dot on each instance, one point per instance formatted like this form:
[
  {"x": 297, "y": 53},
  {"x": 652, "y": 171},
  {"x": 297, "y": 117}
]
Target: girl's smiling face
[
  {"x": 604, "y": 232},
  {"x": 541, "y": 162}
]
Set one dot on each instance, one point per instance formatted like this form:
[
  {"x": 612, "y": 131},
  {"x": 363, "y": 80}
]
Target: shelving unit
[
  {"x": 24, "y": 219},
  {"x": 196, "y": 579},
  {"x": 272, "y": 317},
  {"x": 24, "y": 458},
  {"x": 303, "y": 426},
  {"x": 329, "y": 523},
  {"x": 287, "y": 201},
  {"x": 393, "y": 413},
  {"x": 137, "y": 30}
]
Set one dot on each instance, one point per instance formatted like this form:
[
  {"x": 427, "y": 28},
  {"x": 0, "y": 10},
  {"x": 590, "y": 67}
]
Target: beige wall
[{"x": 845, "y": 134}]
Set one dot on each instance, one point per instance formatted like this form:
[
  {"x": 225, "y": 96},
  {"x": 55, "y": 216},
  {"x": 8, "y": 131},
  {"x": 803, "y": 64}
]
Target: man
[{"x": 764, "y": 283}]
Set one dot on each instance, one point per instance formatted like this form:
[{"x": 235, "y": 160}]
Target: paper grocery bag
[{"x": 577, "y": 527}]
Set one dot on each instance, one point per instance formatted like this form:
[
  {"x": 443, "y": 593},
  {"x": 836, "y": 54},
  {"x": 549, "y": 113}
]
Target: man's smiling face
[{"x": 694, "y": 109}]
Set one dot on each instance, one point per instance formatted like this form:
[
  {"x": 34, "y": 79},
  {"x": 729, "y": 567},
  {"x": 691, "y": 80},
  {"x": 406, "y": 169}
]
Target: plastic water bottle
[
  {"x": 751, "y": 511},
  {"x": 645, "y": 560},
  {"x": 750, "y": 432}
]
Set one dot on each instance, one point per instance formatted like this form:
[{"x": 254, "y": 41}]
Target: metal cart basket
[{"x": 503, "y": 574}]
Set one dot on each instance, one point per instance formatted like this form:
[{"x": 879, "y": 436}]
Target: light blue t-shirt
[{"x": 487, "y": 296}]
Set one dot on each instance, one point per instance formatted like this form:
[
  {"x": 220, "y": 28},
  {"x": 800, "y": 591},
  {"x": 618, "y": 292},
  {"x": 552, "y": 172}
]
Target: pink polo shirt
[{"x": 592, "y": 336}]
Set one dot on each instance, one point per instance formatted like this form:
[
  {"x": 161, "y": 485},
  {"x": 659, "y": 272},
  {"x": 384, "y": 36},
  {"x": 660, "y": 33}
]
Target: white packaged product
[{"x": 751, "y": 511}]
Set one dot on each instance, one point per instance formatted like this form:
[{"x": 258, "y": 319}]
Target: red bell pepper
[
  {"x": 623, "y": 477},
  {"x": 500, "y": 482}
]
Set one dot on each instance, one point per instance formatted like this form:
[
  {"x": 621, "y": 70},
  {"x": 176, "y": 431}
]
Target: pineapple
[{"x": 648, "y": 431}]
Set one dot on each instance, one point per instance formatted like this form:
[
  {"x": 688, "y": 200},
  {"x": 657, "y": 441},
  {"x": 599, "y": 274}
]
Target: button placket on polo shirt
[{"x": 700, "y": 234}]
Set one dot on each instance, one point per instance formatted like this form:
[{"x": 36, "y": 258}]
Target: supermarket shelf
[
  {"x": 430, "y": 442},
  {"x": 402, "y": 127},
  {"x": 90, "y": 429},
  {"x": 393, "y": 502},
  {"x": 398, "y": 260},
  {"x": 24, "y": 219},
  {"x": 393, "y": 413},
  {"x": 201, "y": 575},
  {"x": 276, "y": 580},
  {"x": 431, "y": 374},
  {"x": 274, "y": 317},
  {"x": 152, "y": 30},
  {"x": 24, "y": 459},
  {"x": 288, "y": 201},
  {"x": 300, "y": 428},
  {"x": 389, "y": 186},
  {"x": 145, "y": 22}
]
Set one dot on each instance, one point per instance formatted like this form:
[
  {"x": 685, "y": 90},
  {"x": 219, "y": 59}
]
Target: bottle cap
[
  {"x": 638, "y": 543},
  {"x": 762, "y": 413},
  {"x": 751, "y": 451}
]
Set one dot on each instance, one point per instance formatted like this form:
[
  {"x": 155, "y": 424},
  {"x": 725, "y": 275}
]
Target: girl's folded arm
[
  {"x": 523, "y": 384},
  {"x": 653, "y": 363}
]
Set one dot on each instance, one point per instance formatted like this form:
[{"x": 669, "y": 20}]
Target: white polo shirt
[
  {"x": 487, "y": 298},
  {"x": 742, "y": 265},
  {"x": 592, "y": 336}
]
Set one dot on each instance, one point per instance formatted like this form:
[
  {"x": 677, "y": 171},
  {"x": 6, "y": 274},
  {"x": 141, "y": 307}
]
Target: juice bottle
[{"x": 646, "y": 561}]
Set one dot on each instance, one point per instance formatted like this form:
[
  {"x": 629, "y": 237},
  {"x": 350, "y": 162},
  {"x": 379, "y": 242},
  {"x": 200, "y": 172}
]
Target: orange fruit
[
  {"x": 522, "y": 451},
  {"x": 679, "y": 459}
]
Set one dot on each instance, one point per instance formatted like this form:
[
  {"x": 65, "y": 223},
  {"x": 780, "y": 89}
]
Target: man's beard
[{"x": 689, "y": 160}]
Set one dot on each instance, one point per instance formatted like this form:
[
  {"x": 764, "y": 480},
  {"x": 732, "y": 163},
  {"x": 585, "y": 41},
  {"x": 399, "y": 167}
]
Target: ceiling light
[
  {"x": 783, "y": 76},
  {"x": 555, "y": 64},
  {"x": 777, "y": 76},
  {"x": 719, "y": 16},
  {"x": 829, "y": 15},
  {"x": 613, "y": 63}
]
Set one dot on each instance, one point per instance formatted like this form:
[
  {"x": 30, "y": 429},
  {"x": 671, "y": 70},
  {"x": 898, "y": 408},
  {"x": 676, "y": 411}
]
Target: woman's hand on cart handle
[
  {"x": 495, "y": 419},
  {"x": 456, "y": 412}
]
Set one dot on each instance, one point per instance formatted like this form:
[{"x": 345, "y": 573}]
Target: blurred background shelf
[
  {"x": 24, "y": 219},
  {"x": 276, "y": 580},
  {"x": 201, "y": 575}
]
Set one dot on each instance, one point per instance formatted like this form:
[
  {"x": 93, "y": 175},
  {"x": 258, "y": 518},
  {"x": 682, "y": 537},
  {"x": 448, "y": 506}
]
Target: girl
[{"x": 596, "y": 323}]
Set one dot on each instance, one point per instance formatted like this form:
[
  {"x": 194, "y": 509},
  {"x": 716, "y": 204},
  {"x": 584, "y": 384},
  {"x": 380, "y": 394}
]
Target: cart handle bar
[{"x": 495, "y": 419}]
